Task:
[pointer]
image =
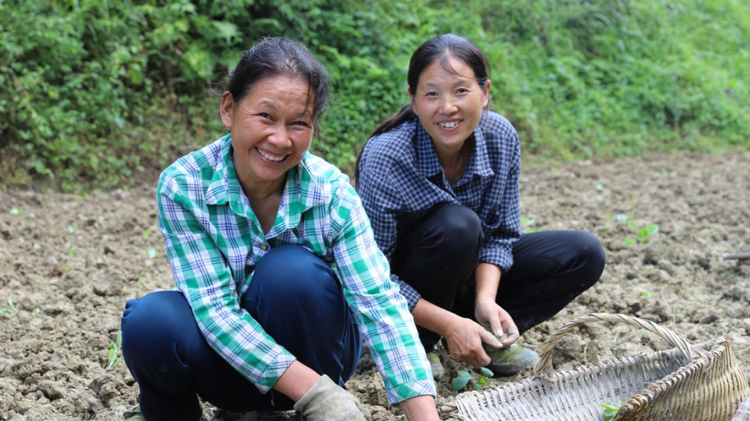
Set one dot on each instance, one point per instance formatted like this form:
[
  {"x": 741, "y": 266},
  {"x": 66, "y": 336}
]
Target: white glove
[{"x": 326, "y": 401}]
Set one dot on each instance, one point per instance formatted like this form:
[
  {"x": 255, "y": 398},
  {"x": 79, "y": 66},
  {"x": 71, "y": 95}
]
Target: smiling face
[
  {"x": 449, "y": 103},
  {"x": 272, "y": 128}
]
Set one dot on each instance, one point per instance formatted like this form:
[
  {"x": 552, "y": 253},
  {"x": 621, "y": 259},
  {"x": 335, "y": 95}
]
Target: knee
[
  {"x": 293, "y": 274},
  {"x": 590, "y": 255},
  {"x": 457, "y": 229},
  {"x": 154, "y": 324}
]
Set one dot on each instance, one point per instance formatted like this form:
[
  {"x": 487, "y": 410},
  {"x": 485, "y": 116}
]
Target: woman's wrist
[{"x": 420, "y": 408}]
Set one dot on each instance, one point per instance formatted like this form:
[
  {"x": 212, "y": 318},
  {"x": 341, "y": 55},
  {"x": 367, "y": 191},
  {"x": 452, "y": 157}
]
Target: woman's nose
[
  {"x": 448, "y": 105},
  {"x": 280, "y": 137}
]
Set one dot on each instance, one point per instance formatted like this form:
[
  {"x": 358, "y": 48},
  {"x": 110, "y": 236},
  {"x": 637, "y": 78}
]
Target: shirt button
[{"x": 264, "y": 246}]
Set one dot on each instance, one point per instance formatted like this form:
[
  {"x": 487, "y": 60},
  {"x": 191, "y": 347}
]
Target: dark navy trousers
[
  {"x": 294, "y": 295},
  {"x": 438, "y": 254}
]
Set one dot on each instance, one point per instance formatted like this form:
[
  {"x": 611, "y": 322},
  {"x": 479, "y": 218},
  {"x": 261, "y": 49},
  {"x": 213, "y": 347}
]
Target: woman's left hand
[{"x": 493, "y": 318}]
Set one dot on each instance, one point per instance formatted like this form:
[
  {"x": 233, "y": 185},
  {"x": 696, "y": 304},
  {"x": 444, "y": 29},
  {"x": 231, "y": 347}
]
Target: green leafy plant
[
  {"x": 113, "y": 357},
  {"x": 610, "y": 411},
  {"x": 647, "y": 233},
  {"x": 527, "y": 225},
  {"x": 464, "y": 377}
]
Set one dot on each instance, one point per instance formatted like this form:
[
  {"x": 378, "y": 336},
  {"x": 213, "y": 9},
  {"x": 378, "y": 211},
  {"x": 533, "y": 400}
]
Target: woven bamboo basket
[
  {"x": 743, "y": 413},
  {"x": 687, "y": 383}
]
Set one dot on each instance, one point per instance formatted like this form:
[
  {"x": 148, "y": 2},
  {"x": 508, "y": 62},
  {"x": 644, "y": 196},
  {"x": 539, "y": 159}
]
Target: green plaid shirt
[{"x": 214, "y": 241}]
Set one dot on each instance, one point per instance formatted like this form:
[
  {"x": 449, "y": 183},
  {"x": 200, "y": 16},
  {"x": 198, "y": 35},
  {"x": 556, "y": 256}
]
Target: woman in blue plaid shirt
[
  {"x": 278, "y": 276},
  {"x": 439, "y": 182}
]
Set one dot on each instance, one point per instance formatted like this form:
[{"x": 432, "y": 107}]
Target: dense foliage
[{"x": 93, "y": 92}]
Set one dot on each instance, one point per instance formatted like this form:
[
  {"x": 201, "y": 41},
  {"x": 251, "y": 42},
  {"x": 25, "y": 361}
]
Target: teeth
[
  {"x": 449, "y": 124},
  {"x": 270, "y": 157}
]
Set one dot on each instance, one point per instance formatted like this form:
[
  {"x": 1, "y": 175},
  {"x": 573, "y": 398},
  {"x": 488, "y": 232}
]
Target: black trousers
[{"x": 437, "y": 256}]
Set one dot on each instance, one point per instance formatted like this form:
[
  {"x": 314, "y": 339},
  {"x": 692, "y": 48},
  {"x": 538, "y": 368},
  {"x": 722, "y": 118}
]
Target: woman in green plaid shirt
[{"x": 278, "y": 274}]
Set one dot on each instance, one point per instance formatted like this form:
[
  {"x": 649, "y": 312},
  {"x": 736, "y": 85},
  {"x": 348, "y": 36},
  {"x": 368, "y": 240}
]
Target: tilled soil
[{"x": 68, "y": 263}]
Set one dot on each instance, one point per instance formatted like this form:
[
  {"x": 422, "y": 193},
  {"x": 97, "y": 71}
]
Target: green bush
[{"x": 94, "y": 92}]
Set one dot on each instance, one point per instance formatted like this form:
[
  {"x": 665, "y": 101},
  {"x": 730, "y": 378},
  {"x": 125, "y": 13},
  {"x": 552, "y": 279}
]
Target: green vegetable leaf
[{"x": 461, "y": 380}]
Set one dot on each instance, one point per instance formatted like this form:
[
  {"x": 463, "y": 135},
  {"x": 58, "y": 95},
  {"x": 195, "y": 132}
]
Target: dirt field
[{"x": 68, "y": 264}]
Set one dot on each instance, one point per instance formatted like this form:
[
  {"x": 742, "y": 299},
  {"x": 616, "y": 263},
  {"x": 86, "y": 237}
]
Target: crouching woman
[{"x": 278, "y": 274}]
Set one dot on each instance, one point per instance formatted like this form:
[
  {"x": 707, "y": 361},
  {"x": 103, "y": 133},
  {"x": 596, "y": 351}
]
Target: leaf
[
  {"x": 609, "y": 411},
  {"x": 227, "y": 30},
  {"x": 648, "y": 231},
  {"x": 111, "y": 354},
  {"x": 621, "y": 217},
  {"x": 478, "y": 387},
  {"x": 12, "y": 306},
  {"x": 461, "y": 380},
  {"x": 486, "y": 372}
]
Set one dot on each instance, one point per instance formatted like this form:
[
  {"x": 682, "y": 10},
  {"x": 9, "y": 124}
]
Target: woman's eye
[
  {"x": 301, "y": 123},
  {"x": 461, "y": 90},
  {"x": 430, "y": 94},
  {"x": 265, "y": 115}
]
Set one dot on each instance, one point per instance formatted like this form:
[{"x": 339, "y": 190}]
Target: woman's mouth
[
  {"x": 449, "y": 125},
  {"x": 270, "y": 157}
]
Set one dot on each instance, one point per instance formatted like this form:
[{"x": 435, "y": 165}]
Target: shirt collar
[
  {"x": 427, "y": 160},
  {"x": 302, "y": 190}
]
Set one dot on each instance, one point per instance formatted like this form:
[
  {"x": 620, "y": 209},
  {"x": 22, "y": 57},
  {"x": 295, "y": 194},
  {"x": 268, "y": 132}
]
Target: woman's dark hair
[
  {"x": 440, "y": 48},
  {"x": 280, "y": 56}
]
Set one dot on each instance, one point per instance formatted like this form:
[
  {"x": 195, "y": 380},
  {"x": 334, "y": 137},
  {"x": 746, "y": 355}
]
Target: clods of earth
[{"x": 68, "y": 264}]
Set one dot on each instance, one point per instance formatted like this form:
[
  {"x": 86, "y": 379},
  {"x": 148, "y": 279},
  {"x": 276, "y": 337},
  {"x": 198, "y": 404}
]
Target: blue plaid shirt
[{"x": 400, "y": 180}]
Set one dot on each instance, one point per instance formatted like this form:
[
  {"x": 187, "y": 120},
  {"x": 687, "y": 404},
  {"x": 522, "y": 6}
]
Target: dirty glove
[{"x": 326, "y": 401}]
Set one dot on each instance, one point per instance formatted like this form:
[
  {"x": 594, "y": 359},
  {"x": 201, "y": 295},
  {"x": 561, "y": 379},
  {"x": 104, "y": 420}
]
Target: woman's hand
[
  {"x": 492, "y": 317},
  {"x": 465, "y": 338}
]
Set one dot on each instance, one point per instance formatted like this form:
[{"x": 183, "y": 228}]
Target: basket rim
[{"x": 714, "y": 348}]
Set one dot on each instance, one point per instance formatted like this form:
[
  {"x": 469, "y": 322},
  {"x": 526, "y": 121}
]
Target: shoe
[
  {"x": 134, "y": 414},
  {"x": 512, "y": 360},
  {"x": 435, "y": 365}
]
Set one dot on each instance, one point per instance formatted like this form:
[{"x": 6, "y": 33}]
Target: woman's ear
[
  {"x": 225, "y": 109},
  {"x": 486, "y": 99},
  {"x": 411, "y": 95}
]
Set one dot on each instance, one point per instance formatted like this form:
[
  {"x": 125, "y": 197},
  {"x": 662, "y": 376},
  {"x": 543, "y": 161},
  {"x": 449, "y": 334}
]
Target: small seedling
[
  {"x": 610, "y": 411},
  {"x": 145, "y": 234},
  {"x": 526, "y": 225},
  {"x": 71, "y": 251},
  {"x": 461, "y": 380},
  {"x": 629, "y": 241},
  {"x": 621, "y": 217},
  {"x": 599, "y": 186},
  {"x": 646, "y": 294},
  {"x": 151, "y": 252},
  {"x": 464, "y": 377},
  {"x": 71, "y": 229},
  {"x": 646, "y": 233},
  {"x": 16, "y": 211},
  {"x": 12, "y": 306},
  {"x": 113, "y": 360}
]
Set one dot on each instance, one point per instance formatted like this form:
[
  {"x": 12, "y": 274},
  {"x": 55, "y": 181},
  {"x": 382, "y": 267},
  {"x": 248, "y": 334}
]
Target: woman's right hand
[
  {"x": 465, "y": 338},
  {"x": 326, "y": 401}
]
